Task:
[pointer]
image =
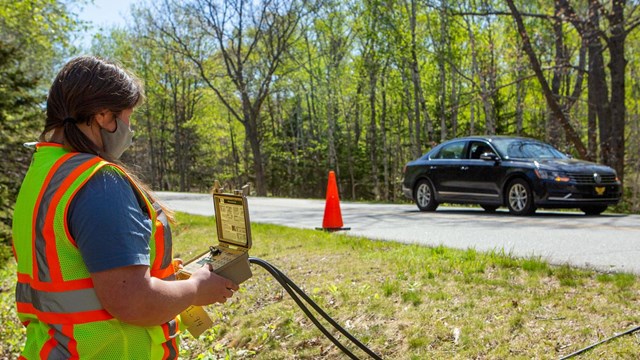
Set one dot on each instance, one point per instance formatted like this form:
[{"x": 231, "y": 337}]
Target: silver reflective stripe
[
  {"x": 166, "y": 258},
  {"x": 173, "y": 352},
  {"x": 60, "y": 175},
  {"x": 172, "y": 328},
  {"x": 61, "y": 351},
  {"x": 58, "y": 302},
  {"x": 173, "y": 332}
]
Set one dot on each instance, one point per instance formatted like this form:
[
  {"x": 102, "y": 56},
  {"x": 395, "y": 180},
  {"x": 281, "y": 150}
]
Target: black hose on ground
[
  {"x": 630, "y": 331},
  {"x": 294, "y": 291}
]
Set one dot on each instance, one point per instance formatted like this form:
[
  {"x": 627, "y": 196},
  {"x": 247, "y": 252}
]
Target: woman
[{"x": 93, "y": 247}]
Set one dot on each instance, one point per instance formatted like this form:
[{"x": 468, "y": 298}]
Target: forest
[{"x": 277, "y": 93}]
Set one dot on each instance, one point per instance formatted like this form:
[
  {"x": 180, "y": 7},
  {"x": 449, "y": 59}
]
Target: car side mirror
[{"x": 489, "y": 156}]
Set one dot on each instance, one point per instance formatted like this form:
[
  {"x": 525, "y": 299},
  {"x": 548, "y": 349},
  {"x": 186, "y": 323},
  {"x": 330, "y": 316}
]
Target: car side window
[
  {"x": 478, "y": 148},
  {"x": 450, "y": 151}
]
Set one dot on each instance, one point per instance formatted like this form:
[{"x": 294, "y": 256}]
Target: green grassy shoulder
[{"x": 403, "y": 301}]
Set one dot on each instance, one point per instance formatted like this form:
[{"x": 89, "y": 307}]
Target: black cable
[
  {"x": 326, "y": 316},
  {"x": 277, "y": 275},
  {"x": 630, "y": 331},
  {"x": 292, "y": 289}
]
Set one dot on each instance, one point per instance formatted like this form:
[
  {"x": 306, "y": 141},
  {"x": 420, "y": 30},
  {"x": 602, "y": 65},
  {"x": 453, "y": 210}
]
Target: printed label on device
[{"x": 196, "y": 319}]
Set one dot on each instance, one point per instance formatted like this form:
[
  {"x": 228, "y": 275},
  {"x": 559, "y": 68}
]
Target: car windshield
[{"x": 527, "y": 149}]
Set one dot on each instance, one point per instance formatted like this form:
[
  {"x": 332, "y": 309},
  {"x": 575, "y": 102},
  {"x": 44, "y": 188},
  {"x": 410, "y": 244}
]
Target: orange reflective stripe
[
  {"x": 47, "y": 180},
  {"x": 170, "y": 350},
  {"x": 165, "y": 329},
  {"x": 67, "y": 318},
  {"x": 72, "y": 346},
  {"x": 48, "y": 232},
  {"x": 49, "y": 345},
  {"x": 170, "y": 347},
  {"x": 70, "y": 285},
  {"x": 162, "y": 273},
  {"x": 160, "y": 249}
]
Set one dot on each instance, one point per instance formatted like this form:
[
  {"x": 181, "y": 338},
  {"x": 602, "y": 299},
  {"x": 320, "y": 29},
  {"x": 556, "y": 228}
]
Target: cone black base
[{"x": 333, "y": 229}]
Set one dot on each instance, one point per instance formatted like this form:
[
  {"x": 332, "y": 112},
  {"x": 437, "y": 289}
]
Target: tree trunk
[
  {"x": 373, "y": 131},
  {"x": 419, "y": 103},
  {"x": 572, "y": 135},
  {"x": 383, "y": 138},
  {"x": 617, "y": 68},
  {"x": 553, "y": 128}
]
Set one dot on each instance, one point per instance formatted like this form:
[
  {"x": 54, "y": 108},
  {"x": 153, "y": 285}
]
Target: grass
[{"x": 403, "y": 301}]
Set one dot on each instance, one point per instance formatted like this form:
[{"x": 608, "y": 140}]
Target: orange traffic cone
[{"x": 332, "y": 215}]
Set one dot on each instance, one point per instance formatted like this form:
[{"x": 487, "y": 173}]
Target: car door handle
[
  {"x": 432, "y": 167},
  {"x": 464, "y": 168}
]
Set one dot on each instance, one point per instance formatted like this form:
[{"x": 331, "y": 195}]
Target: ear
[{"x": 106, "y": 120}]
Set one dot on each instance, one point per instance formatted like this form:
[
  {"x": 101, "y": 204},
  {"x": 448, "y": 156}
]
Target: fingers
[
  {"x": 213, "y": 288},
  {"x": 232, "y": 286},
  {"x": 225, "y": 294}
]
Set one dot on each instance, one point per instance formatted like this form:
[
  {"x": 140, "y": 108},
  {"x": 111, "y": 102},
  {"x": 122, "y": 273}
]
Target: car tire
[
  {"x": 489, "y": 208},
  {"x": 424, "y": 196},
  {"x": 593, "y": 210},
  {"x": 520, "y": 198}
]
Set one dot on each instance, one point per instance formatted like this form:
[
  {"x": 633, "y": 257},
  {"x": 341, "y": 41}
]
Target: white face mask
[{"x": 115, "y": 143}]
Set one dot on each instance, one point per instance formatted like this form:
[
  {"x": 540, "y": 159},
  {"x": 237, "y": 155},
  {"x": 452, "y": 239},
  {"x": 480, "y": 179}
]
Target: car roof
[{"x": 490, "y": 138}]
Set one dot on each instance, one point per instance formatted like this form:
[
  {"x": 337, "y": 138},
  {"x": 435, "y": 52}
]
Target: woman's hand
[
  {"x": 211, "y": 287},
  {"x": 131, "y": 295}
]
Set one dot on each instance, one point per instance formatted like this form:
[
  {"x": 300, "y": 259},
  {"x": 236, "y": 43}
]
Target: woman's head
[{"x": 85, "y": 87}]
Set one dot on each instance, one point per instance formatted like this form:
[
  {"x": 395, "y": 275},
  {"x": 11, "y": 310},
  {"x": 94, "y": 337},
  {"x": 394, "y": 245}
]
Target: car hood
[{"x": 573, "y": 165}]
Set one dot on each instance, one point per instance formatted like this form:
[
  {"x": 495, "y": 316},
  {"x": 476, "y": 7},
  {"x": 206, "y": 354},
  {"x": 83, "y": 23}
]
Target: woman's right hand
[{"x": 211, "y": 287}]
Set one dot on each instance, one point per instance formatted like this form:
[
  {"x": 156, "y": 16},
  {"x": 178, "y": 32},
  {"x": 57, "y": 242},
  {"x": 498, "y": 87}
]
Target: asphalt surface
[{"x": 609, "y": 242}]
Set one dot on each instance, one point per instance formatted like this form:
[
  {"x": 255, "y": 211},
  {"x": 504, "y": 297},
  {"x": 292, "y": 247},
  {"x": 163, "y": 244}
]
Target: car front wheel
[
  {"x": 520, "y": 198},
  {"x": 424, "y": 196}
]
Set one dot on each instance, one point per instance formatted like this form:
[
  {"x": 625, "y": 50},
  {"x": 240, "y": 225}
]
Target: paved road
[{"x": 607, "y": 242}]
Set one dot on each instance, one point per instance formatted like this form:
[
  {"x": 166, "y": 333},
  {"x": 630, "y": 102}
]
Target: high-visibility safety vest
[{"x": 55, "y": 297}]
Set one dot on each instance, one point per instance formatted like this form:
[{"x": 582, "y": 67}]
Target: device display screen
[{"x": 232, "y": 219}]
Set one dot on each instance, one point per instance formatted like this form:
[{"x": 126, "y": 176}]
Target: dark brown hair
[{"x": 84, "y": 87}]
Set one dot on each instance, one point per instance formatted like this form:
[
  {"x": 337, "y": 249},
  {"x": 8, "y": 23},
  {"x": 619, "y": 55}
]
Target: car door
[
  {"x": 481, "y": 177},
  {"x": 445, "y": 169}
]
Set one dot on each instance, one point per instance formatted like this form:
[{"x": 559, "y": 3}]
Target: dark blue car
[{"x": 520, "y": 173}]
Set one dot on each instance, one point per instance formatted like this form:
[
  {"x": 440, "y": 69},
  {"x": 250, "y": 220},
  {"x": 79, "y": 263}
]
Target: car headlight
[{"x": 557, "y": 176}]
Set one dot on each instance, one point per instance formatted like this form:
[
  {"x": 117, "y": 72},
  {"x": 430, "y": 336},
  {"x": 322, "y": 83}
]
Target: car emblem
[
  {"x": 597, "y": 178},
  {"x": 600, "y": 190}
]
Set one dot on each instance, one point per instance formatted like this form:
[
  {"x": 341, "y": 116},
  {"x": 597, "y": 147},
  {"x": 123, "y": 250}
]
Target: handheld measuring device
[{"x": 230, "y": 258}]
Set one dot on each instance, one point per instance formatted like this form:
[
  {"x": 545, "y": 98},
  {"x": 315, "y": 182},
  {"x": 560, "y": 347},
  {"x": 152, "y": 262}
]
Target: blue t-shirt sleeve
[{"x": 108, "y": 224}]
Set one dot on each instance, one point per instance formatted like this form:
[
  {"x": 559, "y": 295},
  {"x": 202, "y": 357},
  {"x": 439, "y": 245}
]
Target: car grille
[{"x": 590, "y": 178}]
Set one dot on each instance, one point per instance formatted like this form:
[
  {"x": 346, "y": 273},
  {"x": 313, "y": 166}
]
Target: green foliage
[
  {"x": 361, "y": 91},
  {"x": 12, "y": 329},
  {"x": 33, "y": 39}
]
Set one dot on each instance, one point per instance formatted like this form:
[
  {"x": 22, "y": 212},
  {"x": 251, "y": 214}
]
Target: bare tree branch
[{"x": 551, "y": 101}]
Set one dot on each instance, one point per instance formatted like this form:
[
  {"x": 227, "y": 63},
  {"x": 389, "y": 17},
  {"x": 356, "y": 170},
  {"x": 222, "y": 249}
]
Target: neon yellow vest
[{"x": 54, "y": 295}]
